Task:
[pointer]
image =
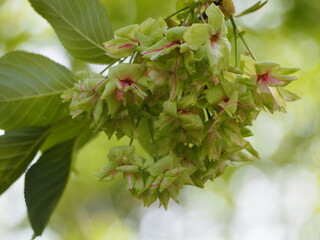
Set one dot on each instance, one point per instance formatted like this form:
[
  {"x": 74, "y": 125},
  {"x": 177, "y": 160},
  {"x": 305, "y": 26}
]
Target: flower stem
[
  {"x": 107, "y": 67},
  {"x": 236, "y": 30},
  {"x": 186, "y": 19},
  {"x": 155, "y": 150},
  {"x": 235, "y": 38},
  {"x": 208, "y": 114},
  {"x": 137, "y": 125},
  {"x": 175, "y": 13},
  {"x": 132, "y": 57},
  {"x": 139, "y": 118},
  {"x": 200, "y": 13}
]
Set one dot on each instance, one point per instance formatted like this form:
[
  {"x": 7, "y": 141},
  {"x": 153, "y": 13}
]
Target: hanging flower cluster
[{"x": 181, "y": 100}]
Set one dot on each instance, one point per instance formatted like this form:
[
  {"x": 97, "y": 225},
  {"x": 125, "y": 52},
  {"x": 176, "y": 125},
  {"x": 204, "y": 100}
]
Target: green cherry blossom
[{"x": 212, "y": 37}]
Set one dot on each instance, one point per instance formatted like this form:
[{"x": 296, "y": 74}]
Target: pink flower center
[
  {"x": 163, "y": 48},
  {"x": 265, "y": 78},
  {"x": 126, "y": 82},
  {"x": 215, "y": 38}
]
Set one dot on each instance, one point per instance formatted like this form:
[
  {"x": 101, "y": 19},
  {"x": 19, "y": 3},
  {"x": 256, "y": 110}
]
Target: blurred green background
[{"x": 275, "y": 198}]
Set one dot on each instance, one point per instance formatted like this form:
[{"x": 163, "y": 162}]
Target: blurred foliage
[
  {"x": 88, "y": 202},
  {"x": 125, "y": 12},
  {"x": 303, "y": 16},
  {"x": 97, "y": 210}
]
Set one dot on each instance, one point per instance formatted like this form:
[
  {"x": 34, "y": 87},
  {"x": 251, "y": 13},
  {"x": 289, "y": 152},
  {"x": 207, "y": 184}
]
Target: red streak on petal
[
  {"x": 274, "y": 80},
  {"x": 175, "y": 80},
  {"x": 243, "y": 105},
  {"x": 126, "y": 46},
  {"x": 212, "y": 126},
  {"x": 146, "y": 74},
  {"x": 221, "y": 110},
  {"x": 157, "y": 50},
  {"x": 265, "y": 86},
  {"x": 154, "y": 68},
  {"x": 155, "y": 185},
  {"x": 102, "y": 81},
  {"x": 172, "y": 44},
  {"x": 176, "y": 65},
  {"x": 232, "y": 103},
  {"x": 160, "y": 49}
]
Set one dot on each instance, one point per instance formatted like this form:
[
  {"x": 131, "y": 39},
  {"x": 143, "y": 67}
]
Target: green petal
[
  {"x": 110, "y": 87},
  {"x": 150, "y": 32},
  {"x": 191, "y": 121},
  {"x": 120, "y": 48},
  {"x": 283, "y": 77},
  {"x": 197, "y": 35},
  {"x": 187, "y": 101},
  {"x": 126, "y": 32},
  {"x": 131, "y": 71},
  {"x": 288, "y": 96},
  {"x": 248, "y": 66},
  {"x": 162, "y": 165},
  {"x": 170, "y": 108},
  {"x": 121, "y": 154},
  {"x": 176, "y": 33},
  {"x": 128, "y": 169},
  {"x": 215, "y": 18},
  {"x": 214, "y": 94},
  {"x": 277, "y": 96},
  {"x": 263, "y": 67},
  {"x": 159, "y": 49},
  {"x": 219, "y": 54},
  {"x": 231, "y": 106},
  {"x": 286, "y": 71}
]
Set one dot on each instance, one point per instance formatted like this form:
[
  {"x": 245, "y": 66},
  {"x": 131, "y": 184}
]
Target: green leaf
[
  {"x": 17, "y": 149},
  {"x": 30, "y": 89},
  {"x": 45, "y": 182},
  {"x": 82, "y": 26},
  {"x": 253, "y": 8}
]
